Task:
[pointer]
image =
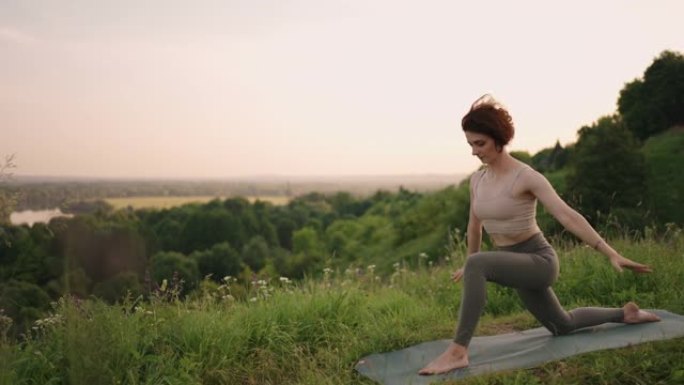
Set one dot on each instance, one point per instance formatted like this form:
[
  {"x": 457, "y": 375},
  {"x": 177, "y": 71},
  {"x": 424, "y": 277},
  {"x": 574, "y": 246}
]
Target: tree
[
  {"x": 656, "y": 103},
  {"x": 266, "y": 229},
  {"x": 255, "y": 253},
  {"x": 551, "y": 158},
  {"x": 166, "y": 265},
  {"x": 608, "y": 171},
  {"x": 307, "y": 252},
  {"x": 7, "y": 199},
  {"x": 284, "y": 229},
  {"x": 24, "y": 302},
  {"x": 117, "y": 287},
  {"x": 206, "y": 228},
  {"x": 664, "y": 156},
  {"x": 522, "y": 156},
  {"x": 219, "y": 261}
]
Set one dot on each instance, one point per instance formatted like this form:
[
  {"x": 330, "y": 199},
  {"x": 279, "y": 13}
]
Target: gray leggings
[{"x": 531, "y": 267}]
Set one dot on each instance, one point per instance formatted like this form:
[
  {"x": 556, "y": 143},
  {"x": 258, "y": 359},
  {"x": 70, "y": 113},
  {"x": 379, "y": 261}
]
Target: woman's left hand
[{"x": 619, "y": 262}]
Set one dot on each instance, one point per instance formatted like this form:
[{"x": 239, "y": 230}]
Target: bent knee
[
  {"x": 476, "y": 261},
  {"x": 560, "y": 329}
]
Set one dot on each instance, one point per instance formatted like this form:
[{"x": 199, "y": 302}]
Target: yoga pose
[{"x": 503, "y": 198}]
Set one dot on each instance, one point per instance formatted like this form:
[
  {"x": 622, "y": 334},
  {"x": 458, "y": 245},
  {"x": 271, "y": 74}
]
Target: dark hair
[{"x": 489, "y": 117}]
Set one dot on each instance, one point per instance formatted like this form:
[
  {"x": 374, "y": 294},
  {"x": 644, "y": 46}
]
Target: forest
[{"x": 623, "y": 173}]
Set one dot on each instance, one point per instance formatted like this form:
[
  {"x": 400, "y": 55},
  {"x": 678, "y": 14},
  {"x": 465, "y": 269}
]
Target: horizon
[
  {"x": 305, "y": 89},
  {"x": 16, "y": 177}
]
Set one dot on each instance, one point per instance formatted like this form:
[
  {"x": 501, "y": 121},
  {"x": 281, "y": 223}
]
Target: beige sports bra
[{"x": 503, "y": 213}]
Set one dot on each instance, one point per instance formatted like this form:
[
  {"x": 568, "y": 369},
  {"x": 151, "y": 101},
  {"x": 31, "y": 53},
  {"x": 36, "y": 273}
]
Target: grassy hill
[{"x": 313, "y": 332}]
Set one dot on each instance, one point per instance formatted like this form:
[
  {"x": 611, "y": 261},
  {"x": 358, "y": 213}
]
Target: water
[{"x": 30, "y": 217}]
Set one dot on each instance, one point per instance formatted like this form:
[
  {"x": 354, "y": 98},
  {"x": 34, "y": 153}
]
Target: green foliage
[
  {"x": 307, "y": 253},
  {"x": 7, "y": 198},
  {"x": 664, "y": 156},
  {"x": 76, "y": 282},
  {"x": 608, "y": 172},
  {"x": 219, "y": 261},
  {"x": 205, "y": 227},
  {"x": 522, "y": 156},
  {"x": 101, "y": 246},
  {"x": 167, "y": 265},
  {"x": 285, "y": 227},
  {"x": 551, "y": 159},
  {"x": 23, "y": 302},
  {"x": 435, "y": 212},
  {"x": 255, "y": 253},
  {"x": 118, "y": 287},
  {"x": 656, "y": 103},
  {"x": 359, "y": 240},
  {"x": 306, "y": 241},
  {"x": 314, "y": 331}
]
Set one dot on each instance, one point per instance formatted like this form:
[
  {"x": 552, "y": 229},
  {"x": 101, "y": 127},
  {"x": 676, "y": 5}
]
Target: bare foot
[
  {"x": 633, "y": 315},
  {"x": 456, "y": 356}
]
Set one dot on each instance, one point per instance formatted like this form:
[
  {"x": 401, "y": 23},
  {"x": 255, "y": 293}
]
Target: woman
[{"x": 503, "y": 198}]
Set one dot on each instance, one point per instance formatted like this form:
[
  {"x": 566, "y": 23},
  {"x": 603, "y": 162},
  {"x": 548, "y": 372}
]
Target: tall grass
[{"x": 314, "y": 331}]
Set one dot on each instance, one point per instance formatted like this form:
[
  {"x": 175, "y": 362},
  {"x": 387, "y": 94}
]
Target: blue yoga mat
[{"x": 520, "y": 350}]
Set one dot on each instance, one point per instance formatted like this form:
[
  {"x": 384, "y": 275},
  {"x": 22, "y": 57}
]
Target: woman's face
[{"x": 483, "y": 146}]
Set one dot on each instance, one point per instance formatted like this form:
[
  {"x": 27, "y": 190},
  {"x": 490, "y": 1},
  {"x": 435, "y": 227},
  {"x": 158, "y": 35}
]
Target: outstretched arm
[{"x": 576, "y": 223}]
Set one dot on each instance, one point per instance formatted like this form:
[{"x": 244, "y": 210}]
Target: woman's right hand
[
  {"x": 457, "y": 275},
  {"x": 619, "y": 262}
]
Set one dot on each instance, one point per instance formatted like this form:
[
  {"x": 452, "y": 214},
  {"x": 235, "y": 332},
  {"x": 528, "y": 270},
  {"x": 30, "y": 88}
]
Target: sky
[{"x": 221, "y": 89}]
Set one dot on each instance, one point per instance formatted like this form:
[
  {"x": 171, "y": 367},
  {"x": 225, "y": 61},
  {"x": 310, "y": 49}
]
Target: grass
[
  {"x": 165, "y": 202},
  {"x": 314, "y": 331}
]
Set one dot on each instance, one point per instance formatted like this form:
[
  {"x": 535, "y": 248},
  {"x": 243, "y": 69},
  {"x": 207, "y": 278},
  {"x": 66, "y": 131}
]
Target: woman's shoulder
[
  {"x": 477, "y": 175},
  {"x": 530, "y": 178},
  {"x": 523, "y": 168}
]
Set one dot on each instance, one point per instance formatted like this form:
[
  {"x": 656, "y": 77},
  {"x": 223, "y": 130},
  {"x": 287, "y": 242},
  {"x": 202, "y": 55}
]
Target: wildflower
[
  {"x": 253, "y": 299},
  {"x": 5, "y": 323},
  {"x": 41, "y": 324},
  {"x": 285, "y": 280}
]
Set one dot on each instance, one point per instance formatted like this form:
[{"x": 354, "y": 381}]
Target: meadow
[
  {"x": 165, "y": 202},
  {"x": 313, "y": 331}
]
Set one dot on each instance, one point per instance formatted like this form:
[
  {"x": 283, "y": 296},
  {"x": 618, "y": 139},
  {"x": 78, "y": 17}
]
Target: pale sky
[{"x": 310, "y": 87}]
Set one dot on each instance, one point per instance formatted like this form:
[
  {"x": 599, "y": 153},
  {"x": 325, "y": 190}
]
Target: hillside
[{"x": 314, "y": 331}]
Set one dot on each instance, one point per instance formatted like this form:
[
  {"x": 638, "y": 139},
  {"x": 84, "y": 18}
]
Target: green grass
[{"x": 313, "y": 332}]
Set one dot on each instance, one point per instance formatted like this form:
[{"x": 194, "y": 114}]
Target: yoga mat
[{"x": 519, "y": 350}]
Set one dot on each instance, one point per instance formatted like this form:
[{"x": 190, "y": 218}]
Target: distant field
[{"x": 164, "y": 202}]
